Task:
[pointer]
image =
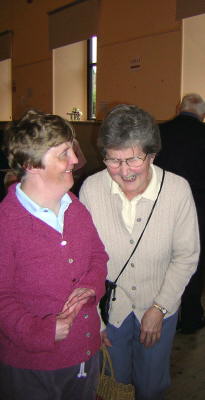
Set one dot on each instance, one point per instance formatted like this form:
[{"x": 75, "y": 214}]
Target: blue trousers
[{"x": 147, "y": 368}]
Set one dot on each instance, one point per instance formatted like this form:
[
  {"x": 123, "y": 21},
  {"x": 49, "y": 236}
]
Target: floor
[{"x": 188, "y": 367}]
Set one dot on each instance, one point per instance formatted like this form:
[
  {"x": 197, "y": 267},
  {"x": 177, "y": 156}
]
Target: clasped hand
[{"x": 70, "y": 310}]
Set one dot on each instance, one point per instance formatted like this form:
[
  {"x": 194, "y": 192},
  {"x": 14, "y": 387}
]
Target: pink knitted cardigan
[{"x": 37, "y": 274}]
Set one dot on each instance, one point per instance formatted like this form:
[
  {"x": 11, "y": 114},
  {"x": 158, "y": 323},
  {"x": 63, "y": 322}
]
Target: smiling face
[
  {"x": 132, "y": 180},
  {"x": 58, "y": 164}
]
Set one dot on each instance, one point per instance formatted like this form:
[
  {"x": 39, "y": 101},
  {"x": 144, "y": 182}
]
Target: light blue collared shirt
[{"x": 44, "y": 214}]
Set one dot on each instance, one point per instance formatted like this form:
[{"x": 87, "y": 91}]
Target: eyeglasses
[{"x": 131, "y": 162}]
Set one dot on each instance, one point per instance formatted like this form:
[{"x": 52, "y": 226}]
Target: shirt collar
[
  {"x": 189, "y": 114},
  {"x": 150, "y": 192},
  {"x": 33, "y": 207}
]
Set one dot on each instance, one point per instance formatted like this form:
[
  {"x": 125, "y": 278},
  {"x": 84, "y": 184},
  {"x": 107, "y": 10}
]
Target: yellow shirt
[{"x": 129, "y": 206}]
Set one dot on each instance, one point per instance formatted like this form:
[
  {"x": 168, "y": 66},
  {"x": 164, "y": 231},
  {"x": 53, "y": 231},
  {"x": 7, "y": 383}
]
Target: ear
[
  {"x": 32, "y": 170},
  {"x": 152, "y": 157}
]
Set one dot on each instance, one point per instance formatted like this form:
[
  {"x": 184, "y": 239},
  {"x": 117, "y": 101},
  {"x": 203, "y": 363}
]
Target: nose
[
  {"x": 73, "y": 159},
  {"x": 124, "y": 168}
]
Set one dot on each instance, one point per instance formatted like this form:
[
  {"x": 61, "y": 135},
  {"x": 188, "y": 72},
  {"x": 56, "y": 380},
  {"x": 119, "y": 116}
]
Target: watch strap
[{"x": 160, "y": 308}]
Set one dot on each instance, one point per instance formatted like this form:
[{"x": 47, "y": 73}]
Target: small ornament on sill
[{"x": 75, "y": 114}]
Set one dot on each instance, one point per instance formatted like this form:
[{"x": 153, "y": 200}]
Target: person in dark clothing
[
  {"x": 183, "y": 152},
  {"x": 3, "y": 168}
]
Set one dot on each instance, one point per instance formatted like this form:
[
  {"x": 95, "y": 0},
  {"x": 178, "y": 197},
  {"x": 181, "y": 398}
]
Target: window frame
[{"x": 90, "y": 67}]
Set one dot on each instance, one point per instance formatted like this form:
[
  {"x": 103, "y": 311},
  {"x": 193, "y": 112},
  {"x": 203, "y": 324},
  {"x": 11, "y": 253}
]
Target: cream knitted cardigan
[{"x": 167, "y": 255}]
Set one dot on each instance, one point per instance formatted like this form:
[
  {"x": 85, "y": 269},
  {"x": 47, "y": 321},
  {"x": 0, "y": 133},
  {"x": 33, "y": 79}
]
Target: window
[{"x": 92, "y": 71}]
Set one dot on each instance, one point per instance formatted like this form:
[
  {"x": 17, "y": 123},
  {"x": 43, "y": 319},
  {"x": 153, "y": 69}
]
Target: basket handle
[{"x": 106, "y": 359}]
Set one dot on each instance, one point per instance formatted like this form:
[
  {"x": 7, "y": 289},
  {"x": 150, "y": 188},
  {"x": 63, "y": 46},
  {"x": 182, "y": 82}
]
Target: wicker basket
[{"x": 108, "y": 387}]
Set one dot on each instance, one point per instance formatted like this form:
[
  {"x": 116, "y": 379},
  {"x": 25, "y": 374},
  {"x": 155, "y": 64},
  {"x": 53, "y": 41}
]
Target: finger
[
  {"x": 69, "y": 309},
  {"x": 65, "y": 308},
  {"x": 81, "y": 299},
  {"x": 91, "y": 292},
  {"x": 76, "y": 299},
  {"x": 142, "y": 336},
  {"x": 153, "y": 339},
  {"x": 76, "y": 292},
  {"x": 63, "y": 314},
  {"x": 75, "y": 308},
  {"x": 150, "y": 339},
  {"x": 147, "y": 340},
  {"x": 87, "y": 293},
  {"x": 107, "y": 342}
]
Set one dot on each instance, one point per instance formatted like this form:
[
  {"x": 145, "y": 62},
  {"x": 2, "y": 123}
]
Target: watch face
[{"x": 162, "y": 309}]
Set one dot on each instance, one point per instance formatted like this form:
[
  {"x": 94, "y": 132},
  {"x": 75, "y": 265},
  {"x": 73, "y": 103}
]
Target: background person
[
  {"x": 52, "y": 270},
  {"x": 143, "y": 318},
  {"x": 3, "y": 168},
  {"x": 183, "y": 152}
]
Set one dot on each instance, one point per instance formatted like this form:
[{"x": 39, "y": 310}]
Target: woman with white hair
[{"x": 128, "y": 197}]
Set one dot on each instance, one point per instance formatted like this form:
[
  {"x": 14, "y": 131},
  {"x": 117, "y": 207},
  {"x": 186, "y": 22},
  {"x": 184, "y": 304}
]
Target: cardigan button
[
  {"x": 88, "y": 352},
  {"x": 131, "y": 241},
  {"x": 70, "y": 260},
  {"x": 64, "y": 242}
]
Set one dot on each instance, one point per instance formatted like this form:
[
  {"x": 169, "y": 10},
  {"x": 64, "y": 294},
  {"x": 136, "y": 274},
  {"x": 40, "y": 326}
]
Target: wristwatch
[{"x": 160, "y": 308}]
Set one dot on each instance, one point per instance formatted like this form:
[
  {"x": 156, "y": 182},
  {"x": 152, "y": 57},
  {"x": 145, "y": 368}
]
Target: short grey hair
[
  {"x": 194, "y": 103},
  {"x": 127, "y": 126}
]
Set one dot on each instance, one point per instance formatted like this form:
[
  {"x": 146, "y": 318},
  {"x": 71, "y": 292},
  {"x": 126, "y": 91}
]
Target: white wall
[
  {"x": 5, "y": 91},
  {"x": 70, "y": 79}
]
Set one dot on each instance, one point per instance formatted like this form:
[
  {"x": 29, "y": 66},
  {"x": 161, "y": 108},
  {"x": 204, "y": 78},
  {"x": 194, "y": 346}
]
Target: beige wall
[
  {"x": 193, "y": 56},
  {"x": 155, "y": 86},
  {"x": 126, "y": 20},
  {"x": 146, "y": 30},
  {"x": 143, "y": 33},
  {"x": 70, "y": 79},
  {"x": 129, "y": 32},
  {"x": 32, "y": 59},
  {"x": 5, "y": 90}
]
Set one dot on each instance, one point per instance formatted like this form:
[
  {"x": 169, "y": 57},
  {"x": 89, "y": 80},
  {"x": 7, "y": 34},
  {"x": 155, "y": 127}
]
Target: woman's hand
[
  {"x": 151, "y": 326},
  {"x": 64, "y": 321},
  {"x": 104, "y": 339},
  {"x": 79, "y": 295},
  {"x": 70, "y": 310}
]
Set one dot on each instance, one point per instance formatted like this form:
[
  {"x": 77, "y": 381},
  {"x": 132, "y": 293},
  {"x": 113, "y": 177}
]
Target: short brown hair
[{"x": 27, "y": 140}]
